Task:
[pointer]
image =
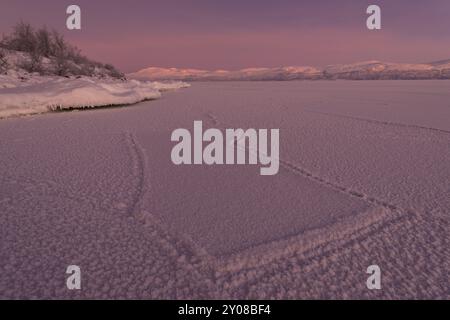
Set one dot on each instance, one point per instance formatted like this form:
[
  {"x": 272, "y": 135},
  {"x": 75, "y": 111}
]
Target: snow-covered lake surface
[{"x": 364, "y": 179}]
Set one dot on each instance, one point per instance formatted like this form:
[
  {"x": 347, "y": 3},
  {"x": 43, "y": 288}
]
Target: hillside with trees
[{"x": 46, "y": 52}]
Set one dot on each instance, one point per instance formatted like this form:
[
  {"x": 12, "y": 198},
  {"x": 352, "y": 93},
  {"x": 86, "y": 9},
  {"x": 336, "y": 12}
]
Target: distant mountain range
[{"x": 368, "y": 70}]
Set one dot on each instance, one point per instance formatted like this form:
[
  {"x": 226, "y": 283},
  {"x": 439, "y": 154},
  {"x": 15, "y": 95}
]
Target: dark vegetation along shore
[{"x": 47, "y": 53}]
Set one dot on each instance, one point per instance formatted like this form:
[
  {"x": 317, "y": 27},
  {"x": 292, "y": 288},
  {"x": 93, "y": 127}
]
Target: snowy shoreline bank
[{"x": 27, "y": 95}]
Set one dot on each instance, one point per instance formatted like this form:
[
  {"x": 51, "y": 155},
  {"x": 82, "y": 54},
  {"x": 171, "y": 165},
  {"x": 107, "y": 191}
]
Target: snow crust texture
[{"x": 364, "y": 180}]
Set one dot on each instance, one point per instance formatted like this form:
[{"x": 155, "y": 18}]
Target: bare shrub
[
  {"x": 60, "y": 54},
  {"x": 22, "y": 39},
  {"x": 113, "y": 72},
  {"x": 87, "y": 69},
  {"x": 67, "y": 59},
  {"x": 3, "y": 61},
  {"x": 44, "y": 42},
  {"x": 33, "y": 64}
]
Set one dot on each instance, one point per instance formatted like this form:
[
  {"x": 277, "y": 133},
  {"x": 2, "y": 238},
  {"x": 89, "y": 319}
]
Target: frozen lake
[{"x": 364, "y": 179}]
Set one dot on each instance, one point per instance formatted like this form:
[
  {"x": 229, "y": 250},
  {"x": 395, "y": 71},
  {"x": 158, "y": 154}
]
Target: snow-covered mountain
[
  {"x": 368, "y": 70},
  {"x": 283, "y": 73},
  {"x": 376, "y": 70}
]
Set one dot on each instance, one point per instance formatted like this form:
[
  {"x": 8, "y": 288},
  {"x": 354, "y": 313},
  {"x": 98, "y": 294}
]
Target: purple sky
[{"x": 234, "y": 34}]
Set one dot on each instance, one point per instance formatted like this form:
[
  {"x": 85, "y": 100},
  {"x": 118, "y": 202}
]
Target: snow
[
  {"x": 284, "y": 73},
  {"x": 39, "y": 94},
  {"x": 363, "y": 180},
  {"x": 376, "y": 66},
  {"x": 22, "y": 93}
]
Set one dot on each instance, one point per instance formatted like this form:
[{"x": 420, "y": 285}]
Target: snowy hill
[
  {"x": 41, "y": 72},
  {"x": 21, "y": 63},
  {"x": 23, "y": 92},
  {"x": 369, "y": 70}
]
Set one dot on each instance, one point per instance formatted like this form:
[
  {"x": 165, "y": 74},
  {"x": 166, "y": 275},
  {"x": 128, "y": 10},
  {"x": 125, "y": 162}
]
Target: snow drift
[
  {"x": 23, "y": 92},
  {"x": 37, "y": 94}
]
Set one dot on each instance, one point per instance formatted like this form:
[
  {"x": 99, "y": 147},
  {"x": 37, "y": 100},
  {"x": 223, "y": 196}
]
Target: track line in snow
[
  {"x": 298, "y": 169},
  {"x": 385, "y": 123},
  {"x": 295, "y": 168},
  {"x": 138, "y": 163},
  {"x": 182, "y": 245}
]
